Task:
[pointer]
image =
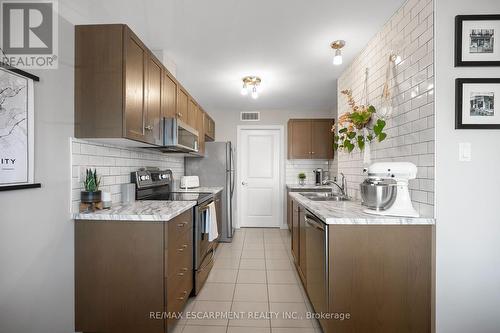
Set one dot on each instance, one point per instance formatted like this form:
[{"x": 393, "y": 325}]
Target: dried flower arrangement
[{"x": 358, "y": 126}]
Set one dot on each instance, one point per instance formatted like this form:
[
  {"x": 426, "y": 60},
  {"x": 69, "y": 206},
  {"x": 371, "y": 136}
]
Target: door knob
[{"x": 244, "y": 183}]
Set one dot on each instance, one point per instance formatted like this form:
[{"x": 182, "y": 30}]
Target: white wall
[
  {"x": 36, "y": 233},
  {"x": 467, "y": 198}
]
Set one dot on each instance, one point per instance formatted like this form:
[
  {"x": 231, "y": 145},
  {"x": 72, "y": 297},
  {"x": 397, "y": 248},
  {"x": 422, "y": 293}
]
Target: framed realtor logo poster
[
  {"x": 477, "y": 40},
  {"x": 477, "y": 104}
]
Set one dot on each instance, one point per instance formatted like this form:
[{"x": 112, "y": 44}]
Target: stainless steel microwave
[{"x": 179, "y": 137}]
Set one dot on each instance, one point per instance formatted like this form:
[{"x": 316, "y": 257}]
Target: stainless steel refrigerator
[{"x": 217, "y": 169}]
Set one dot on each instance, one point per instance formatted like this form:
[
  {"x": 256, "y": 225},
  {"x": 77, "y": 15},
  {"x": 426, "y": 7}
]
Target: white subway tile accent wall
[
  {"x": 114, "y": 165},
  {"x": 410, "y": 131},
  {"x": 294, "y": 167}
]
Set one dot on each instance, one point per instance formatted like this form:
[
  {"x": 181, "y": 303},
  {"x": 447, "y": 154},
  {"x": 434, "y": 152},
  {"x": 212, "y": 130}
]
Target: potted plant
[
  {"x": 358, "y": 127},
  {"x": 302, "y": 178},
  {"x": 92, "y": 194}
]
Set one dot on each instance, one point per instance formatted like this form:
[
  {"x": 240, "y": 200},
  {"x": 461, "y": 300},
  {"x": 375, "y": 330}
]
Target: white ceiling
[{"x": 215, "y": 43}]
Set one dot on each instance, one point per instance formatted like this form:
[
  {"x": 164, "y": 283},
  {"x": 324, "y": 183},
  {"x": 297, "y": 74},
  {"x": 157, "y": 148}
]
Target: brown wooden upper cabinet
[
  {"x": 201, "y": 130},
  {"x": 192, "y": 113},
  {"x": 209, "y": 125},
  {"x": 182, "y": 104},
  {"x": 310, "y": 139},
  {"x": 122, "y": 91},
  {"x": 153, "y": 112},
  {"x": 117, "y": 85},
  {"x": 168, "y": 96}
]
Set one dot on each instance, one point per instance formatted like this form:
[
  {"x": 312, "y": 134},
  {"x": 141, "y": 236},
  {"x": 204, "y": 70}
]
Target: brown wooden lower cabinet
[
  {"x": 381, "y": 275},
  {"x": 378, "y": 276},
  {"x": 129, "y": 274}
]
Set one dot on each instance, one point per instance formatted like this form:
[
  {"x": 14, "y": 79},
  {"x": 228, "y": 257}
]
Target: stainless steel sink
[{"x": 328, "y": 196}]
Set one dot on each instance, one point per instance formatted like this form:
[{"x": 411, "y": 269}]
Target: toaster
[{"x": 190, "y": 182}]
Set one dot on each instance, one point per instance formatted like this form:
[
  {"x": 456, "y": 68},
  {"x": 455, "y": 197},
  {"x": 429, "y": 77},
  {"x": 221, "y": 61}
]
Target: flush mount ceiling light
[
  {"x": 337, "y": 46},
  {"x": 251, "y": 84}
]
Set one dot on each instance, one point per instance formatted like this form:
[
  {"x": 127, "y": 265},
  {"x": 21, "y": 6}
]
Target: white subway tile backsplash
[
  {"x": 114, "y": 165},
  {"x": 411, "y": 128},
  {"x": 294, "y": 167}
]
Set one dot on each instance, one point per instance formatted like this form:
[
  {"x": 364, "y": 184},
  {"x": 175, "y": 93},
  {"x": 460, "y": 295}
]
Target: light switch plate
[{"x": 464, "y": 152}]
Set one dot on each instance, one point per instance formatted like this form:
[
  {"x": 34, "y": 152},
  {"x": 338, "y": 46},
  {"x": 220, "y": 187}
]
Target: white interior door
[{"x": 259, "y": 160}]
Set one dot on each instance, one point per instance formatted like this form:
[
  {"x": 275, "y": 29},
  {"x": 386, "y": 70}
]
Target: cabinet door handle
[
  {"x": 180, "y": 225},
  {"x": 180, "y": 250},
  {"x": 313, "y": 153},
  {"x": 184, "y": 269},
  {"x": 180, "y": 274},
  {"x": 182, "y": 297},
  {"x": 148, "y": 128}
]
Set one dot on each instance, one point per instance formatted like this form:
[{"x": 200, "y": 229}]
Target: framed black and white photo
[
  {"x": 477, "y": 40},
  {"x": 17, "y": 129},
  {"x": 477, "y": 104}
]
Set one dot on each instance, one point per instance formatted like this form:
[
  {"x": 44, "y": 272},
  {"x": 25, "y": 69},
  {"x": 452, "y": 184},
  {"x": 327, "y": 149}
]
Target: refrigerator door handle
[{"x": 232, "y": 170}]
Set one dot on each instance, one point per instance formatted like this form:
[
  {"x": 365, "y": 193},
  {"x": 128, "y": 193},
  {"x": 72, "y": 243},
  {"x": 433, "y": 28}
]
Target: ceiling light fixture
[
  {"x": 251, "y": 84},
  {"x": 337, "y": 46}
]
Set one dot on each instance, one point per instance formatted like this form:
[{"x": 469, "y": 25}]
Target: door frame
[{"x": 281, "y": 130}]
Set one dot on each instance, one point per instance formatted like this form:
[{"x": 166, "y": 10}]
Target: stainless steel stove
[{"x": 155, "y": 184}]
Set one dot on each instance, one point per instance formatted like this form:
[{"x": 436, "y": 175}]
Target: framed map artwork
[{"x": 17, "y": 129}]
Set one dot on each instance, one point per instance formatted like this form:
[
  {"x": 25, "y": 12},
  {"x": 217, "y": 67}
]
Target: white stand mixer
[{"x": 401, "y": 172}]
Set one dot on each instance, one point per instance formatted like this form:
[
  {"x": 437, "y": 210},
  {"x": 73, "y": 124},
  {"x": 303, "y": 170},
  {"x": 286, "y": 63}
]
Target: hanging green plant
[{"x": 358, "y": 126}]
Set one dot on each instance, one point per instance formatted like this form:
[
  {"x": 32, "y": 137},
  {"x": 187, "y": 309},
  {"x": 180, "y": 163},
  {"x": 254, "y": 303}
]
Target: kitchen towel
[{"x": 212, "y": 223}]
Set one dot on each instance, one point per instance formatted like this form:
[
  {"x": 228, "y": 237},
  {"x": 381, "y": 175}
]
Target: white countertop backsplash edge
[{"x": 145, "y": 210}]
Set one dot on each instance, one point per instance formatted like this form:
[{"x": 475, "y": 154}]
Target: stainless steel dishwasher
[{"x": 317, "y": 262}]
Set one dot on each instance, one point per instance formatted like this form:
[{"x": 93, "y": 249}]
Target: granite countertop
[
  {"x": 145, "y": 210},
  {"x": 203, "y": 189},
  {"x": 352, "y": 212}
]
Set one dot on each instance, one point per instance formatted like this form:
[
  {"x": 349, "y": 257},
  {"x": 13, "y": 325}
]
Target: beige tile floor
[{"x": 253, "y": 274}]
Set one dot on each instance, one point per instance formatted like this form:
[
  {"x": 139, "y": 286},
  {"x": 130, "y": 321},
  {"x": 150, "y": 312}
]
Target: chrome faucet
[
  {"x": 344, "y": 184},
  {"x": 342, "y": 187}
]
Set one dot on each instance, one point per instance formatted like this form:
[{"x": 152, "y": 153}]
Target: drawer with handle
[
  {"x": 178, "y": 294},
  {"x": 177, "y": 227},
  {"x": 179, "y": 285},
  {"x": 180, "y": 254}
]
